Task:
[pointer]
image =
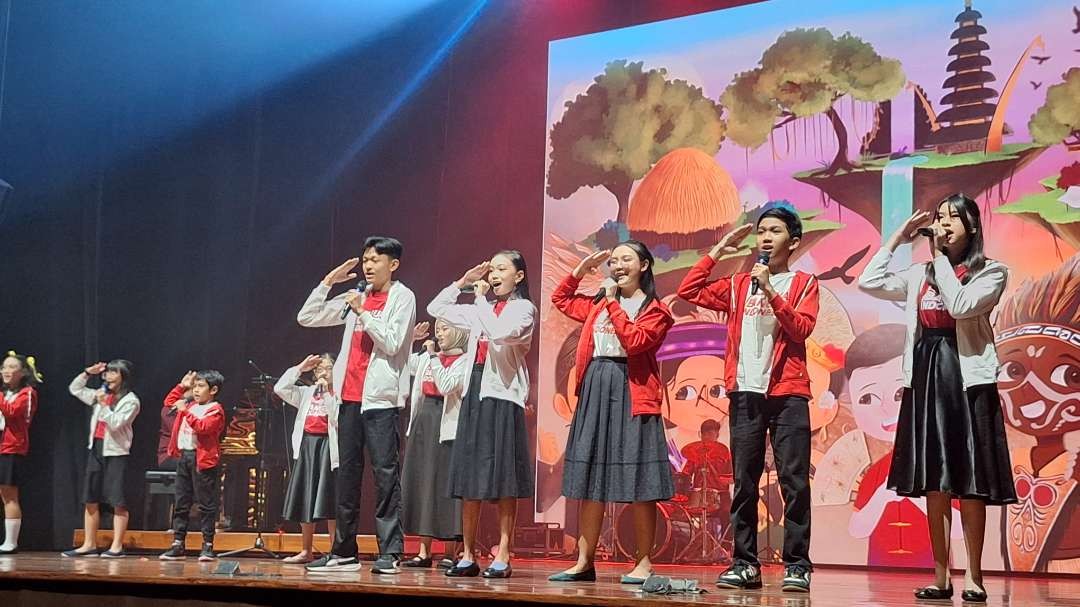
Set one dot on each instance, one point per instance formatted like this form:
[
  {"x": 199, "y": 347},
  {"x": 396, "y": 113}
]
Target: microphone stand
[{"x": 262, "y": 379}]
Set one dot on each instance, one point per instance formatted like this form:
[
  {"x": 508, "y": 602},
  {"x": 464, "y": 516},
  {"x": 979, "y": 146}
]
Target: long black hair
[
  {"x": 127, "y": 374},
  {"x": 647, "y": 281},
  {"x": 521, "y": 290},
  {"x": 974, "y": 259},
  {"x": 30, "y": 375}
]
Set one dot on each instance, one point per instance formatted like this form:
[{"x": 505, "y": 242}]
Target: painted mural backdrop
[{"x": 858, "y": 112}]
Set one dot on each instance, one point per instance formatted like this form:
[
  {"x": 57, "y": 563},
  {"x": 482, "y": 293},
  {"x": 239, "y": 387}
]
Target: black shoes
[
  {"x": 933, "y": 593},
  {"x": 589, "y": 575},
  {"x": 470, "y": 570},
  {"x": 174, "y": 553},
  {"x": 386, "y": 564},
  {"x": 973, "y": 596},
  {"x": 498, "y": 574},
  {"x": 796, "y": 579},
  {"x": 206, "y": 555},
  {"x": 418, "y": 562},
  {"x": 740, "y": 576}
]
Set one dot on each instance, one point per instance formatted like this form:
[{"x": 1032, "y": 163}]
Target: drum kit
[{"x": 693, "y": 527}]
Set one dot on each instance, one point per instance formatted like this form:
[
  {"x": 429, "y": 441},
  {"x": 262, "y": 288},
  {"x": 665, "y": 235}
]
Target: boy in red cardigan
[
  {"x": 194, "y": 443},
  {"x": 771, "y": 311}
]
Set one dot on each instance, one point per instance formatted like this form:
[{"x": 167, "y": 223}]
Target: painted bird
[
  {"x": 842, "y": 270},
  {"x": 1076, "y": 13},
  {"x": 1040, "y": 60},
  {"x": 1035, "y": 85}
]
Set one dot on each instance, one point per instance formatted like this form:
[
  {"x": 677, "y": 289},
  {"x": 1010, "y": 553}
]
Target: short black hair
[
  {"x": 212, "y": 377},
  {"x": 786, "y": 215},
  {"x": 384, "y": 245},
  {"x": 710, "y": 425}
]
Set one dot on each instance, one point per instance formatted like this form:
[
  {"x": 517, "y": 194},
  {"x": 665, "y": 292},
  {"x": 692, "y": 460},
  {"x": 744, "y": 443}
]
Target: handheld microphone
[
  {"x": 927, "y": 232},
  {"x": 608, "y": 282},
  {"x": 469, "y": 288},
  {"x": 763, "y": 257},
  {"x": 360, "y": 288}
]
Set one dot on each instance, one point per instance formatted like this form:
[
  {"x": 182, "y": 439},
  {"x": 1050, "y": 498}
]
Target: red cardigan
[
  {"x": 207, "y": 431},
  {"x": 17, "y": 417},
  {"x": 796, "y": 314},
  {"x": 641, "y": 338}
]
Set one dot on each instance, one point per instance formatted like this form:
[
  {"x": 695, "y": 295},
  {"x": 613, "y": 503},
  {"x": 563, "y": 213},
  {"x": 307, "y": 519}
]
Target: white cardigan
[
  {"x": 451, "y": 384},
  {"x": 509, "y": 338},
  {"x": 118, "y": 418},
  {"x": 970, "y": 304},
  {"x": 300, "y": 397},
  {"x": 391, "y": 333}
]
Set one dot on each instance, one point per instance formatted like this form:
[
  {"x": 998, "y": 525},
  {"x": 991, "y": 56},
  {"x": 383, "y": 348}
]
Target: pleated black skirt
[
  {"x": 426, "y": 508},
  {"x": 611, "y": 455},
  {"x": 311, "y": 495},
  {"x": 490, "y": 459},
  {"x": 949, "y": 439}
]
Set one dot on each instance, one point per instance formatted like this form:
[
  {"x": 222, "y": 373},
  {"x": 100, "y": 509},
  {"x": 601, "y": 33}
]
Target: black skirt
[
  {"x": 310, "y": 496},
  {"x": 490, "y": 459},
  {"x": 949, "y": 439},
  {"x": 612, "y": 455},
  {"x": 426, "y": 508},
  {"x": 11, "y": 465},
  {"x": 104, "y": 479}
]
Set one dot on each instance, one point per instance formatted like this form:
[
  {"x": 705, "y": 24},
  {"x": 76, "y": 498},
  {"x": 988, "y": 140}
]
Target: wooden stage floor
[{"x": 47, "y": 578}]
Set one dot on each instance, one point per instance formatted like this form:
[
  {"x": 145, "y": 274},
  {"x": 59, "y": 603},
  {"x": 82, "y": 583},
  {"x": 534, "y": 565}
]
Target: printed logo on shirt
[
  {"x": 758, "y": 305},
  {"x": 376, "y": 313},
  {"x": 317, "y": 407},
  {"x": 931, "y": 301}
]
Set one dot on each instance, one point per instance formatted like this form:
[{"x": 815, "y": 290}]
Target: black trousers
[
  {"x": 199, "y": 487},
  {"x": 786, "y": 420},
  {"x": 375, "y": 431}
]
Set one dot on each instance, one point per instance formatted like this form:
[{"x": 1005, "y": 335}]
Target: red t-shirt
[
  {"x": 932, "y": 311},
  {"x": 482, "y": 345},
  {"x": 316, "y": 421},
  {"x": 708, "y": 463},
  {"x": 428, "y": 387},
  {"x": 352, "y": 390},
  {"x": 99, "y": 429}
]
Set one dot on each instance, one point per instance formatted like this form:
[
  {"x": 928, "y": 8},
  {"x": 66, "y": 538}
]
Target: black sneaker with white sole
[
  {"x": 207, "y": 554},
  {"x": 174, "y": 553},
  {"x": 796, "y": 579},
  {"x": 386, "y": 564},
  {"x": 331, "y": 563},
  {"x": 740, "y": 576}
]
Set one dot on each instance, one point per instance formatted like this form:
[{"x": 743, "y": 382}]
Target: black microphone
[
  {"x": 927, "y": 232},
  {"x": 763, "y": 257},
  {"x": 360, "y": 288},
  {"x": 469, "y": 288},
  {"x": 603, "y": 290}
]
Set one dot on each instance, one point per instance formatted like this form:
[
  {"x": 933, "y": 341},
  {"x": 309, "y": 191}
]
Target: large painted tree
[
  {"x": 804, "y": 73},
  {"x": 627, "y": 119},
  {"x": 1058, "y": 120}
]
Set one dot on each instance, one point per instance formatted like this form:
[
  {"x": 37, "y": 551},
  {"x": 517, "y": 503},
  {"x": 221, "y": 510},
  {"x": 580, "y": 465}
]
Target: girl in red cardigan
[
  {"x": 17, "y": 408},
  {"x": 616, "y": 451}
]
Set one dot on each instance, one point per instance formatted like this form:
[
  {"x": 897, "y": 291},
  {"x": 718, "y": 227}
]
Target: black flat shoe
[
  {"x": 417, "y": 562},
  {"x": 589, "y": 575},
  {"x": 973, "y": 596},
  {"x": 472, "y": 570},
  {"x": 499, "y": 574},
  {"x": 934, "y": 594}
]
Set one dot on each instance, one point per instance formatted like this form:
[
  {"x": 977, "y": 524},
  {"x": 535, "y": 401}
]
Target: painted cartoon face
[
  {"x": 823, "y": 405},
  {"x": 697, "y": 393},
  {"x": 1039, "y": 383},
  {"x": 876, "y": 393}
]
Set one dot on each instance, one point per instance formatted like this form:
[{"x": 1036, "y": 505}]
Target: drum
[
  {"x": 684, "y": 485},
  {"x": 674, "y": 528},
  {"x": 709, "y": 500}
]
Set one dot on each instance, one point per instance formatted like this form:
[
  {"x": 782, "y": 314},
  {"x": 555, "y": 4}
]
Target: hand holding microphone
[
  {"x": 759, "y": 274},
  {"x": 355, "y": 299},
  {"x": 608, "y": 288}
]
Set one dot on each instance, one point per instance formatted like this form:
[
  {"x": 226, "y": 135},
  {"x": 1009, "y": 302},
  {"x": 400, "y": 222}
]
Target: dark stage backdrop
[{"x": 196, "y": 248}]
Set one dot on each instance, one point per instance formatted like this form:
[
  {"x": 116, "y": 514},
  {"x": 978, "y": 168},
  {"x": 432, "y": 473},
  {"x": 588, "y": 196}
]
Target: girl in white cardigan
[
  {"x": 491, "y": 459},
  {"x": 114, "y": 409},
  {"x": 311, "y": 496},
  {"x": 950, "y": 436},
  {"x": 435, "y": 401}
]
